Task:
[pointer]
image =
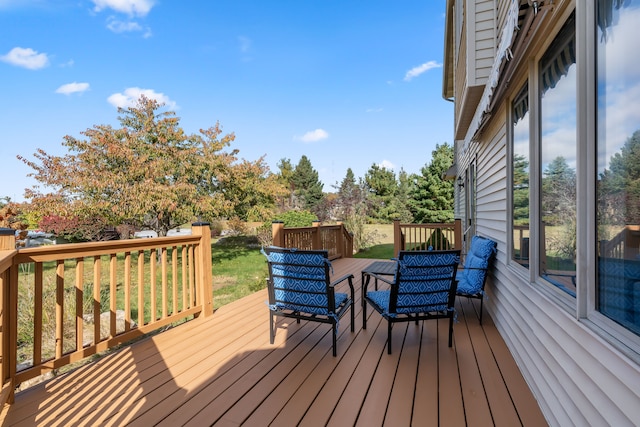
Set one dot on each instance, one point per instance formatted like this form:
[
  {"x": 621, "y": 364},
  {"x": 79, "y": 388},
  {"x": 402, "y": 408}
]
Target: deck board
[{"x": 222, "y": 371}]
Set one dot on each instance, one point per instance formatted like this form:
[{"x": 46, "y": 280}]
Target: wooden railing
[
  {"x": 60, "y": 303},
  {"x": 333, "y": 238},
  {"x": 624, "y": 245},
  {"x": 438, "y": 236}
]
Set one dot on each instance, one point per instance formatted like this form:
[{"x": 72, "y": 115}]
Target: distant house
[{"x": 547, "y": 162}]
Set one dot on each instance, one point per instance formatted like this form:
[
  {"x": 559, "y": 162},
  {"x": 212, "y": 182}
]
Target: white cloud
[
  {"x": 69, "y": 88},
  {"x": 130, "y": 7},
  {"x": 131, "y": 95},
  {"x": 313, "y": 136},
  {"x": 118, "y": 26},
  {"x": 27, "y": 58},
  {"x": 416, "y": 71},
  {"x": 386, "y": 164}
]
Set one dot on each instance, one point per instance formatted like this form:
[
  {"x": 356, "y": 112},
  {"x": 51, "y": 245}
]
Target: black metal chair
[
  {"x": 424, "y": 287},
  {"x": 300, "y": 287}
]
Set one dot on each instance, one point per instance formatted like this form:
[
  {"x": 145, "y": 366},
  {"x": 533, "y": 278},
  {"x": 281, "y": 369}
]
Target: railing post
[
  {"x": 316, "y": 242},
  {"x": 277, "y": 231},
  {"x": 204, "y": 275},
  {"x": 457, "y": 233},
  {"x": 9, "y": 332},
  {"x": 397, "y": 237},
  {"x": 7, "y": 239}
]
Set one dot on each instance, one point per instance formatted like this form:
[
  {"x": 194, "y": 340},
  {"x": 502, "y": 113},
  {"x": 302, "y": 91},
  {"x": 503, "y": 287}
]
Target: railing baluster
[
  {"x": 165, "y": 292},
  {"x": 140, "y": 288},
  {"x": 153, "y": 282},
  {"x": 174, "y": 278},
  {"x": 184, "y": 278},
  {"x": 97, "y": 264},
  {"x": 113, "y": 295},
  {"x": 59, "y": 308},
  {"x": 127, "y": 291},
  {"x": 79, "y": 303},
  {"x": 37, "y": 314}
]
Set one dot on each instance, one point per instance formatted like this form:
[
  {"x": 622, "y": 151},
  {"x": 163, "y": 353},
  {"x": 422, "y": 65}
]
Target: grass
[
  {"x": 383, "y": 242},
  {"x": 239, "y": 269},
  {"x": 383, "y": 251}
]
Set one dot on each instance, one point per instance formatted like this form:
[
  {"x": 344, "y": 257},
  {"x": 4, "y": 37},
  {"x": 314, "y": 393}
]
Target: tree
[
  {"x": 558, "y": 192},
  {"x": 148, "y": 172},
  {"x": 432, "y": 196},
  {"x": 619, "y": 186},
  {"x": 382, "y": 188},
  {"x": 306, "y": 184},
  {"x": 520, "y": 190},
  {"x": 403, "y": 197}
]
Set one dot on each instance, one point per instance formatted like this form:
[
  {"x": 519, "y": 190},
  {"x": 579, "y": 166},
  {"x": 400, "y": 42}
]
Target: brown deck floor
[{"x": 223, "y": 371}]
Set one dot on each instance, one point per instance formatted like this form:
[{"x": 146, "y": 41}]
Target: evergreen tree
[
  {"x": 619, "y": 189},
  {"x": 306, "y": 184},
  {"x": 520, "y": 190},
  {"x": 558, "y": 192},
  {"x": 432, "y": 196},
  {"x": 382, "y": 188},
  {"x": 403, "y": 197}
]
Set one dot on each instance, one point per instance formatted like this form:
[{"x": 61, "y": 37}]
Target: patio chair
[
  {"x": 424, "y": 287},
  {"x": 473, "y": 276},
  {"x": 300, "y": 287}
]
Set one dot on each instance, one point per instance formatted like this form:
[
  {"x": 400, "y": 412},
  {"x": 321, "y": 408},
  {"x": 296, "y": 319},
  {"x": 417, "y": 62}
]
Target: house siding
[{"x": 577, "y": 374}]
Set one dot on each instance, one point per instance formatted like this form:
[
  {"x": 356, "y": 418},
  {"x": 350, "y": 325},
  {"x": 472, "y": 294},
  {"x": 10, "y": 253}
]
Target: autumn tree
[
  {"x": 431, "y": 195},
  {"x": 147, "y": 172}
]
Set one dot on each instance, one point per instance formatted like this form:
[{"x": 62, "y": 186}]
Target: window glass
[
  {"x": 558, "y": 160},
  {"x": 520, "y": 177},
  {"x": 618, "y": 181}
]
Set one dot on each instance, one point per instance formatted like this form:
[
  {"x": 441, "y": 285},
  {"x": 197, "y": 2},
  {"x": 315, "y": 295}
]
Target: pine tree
[
  {"x": 306, "y": 184},
  {"x": 432, "y": 196}
]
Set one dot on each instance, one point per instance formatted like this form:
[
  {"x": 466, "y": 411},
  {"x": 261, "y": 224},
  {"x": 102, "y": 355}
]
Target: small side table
[{"x": 382, "y": 268}]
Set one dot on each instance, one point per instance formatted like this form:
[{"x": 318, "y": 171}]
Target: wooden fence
[
  {"x": 333, "y": 238},
  {"x": 437, "y": 236},
  {"x": 62, "y": 303}
]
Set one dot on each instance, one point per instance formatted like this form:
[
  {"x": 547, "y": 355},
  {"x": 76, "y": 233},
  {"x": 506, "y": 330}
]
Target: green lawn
[{"x": 239, "y": 269}]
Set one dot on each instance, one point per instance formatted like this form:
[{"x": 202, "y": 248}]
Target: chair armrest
[
  {"x": 386, "y": 279},
  {"x": 342, "y": 279}
]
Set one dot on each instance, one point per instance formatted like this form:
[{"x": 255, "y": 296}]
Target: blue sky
[{"x": 348, "y": 83}]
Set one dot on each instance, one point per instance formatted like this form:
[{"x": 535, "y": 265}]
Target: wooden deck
[{"x": 223, "y": 371}]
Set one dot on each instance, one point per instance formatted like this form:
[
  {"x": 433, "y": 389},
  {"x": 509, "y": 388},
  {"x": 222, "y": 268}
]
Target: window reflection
[
  {"x": 558, "y": 158},
  {"x": 618, "y": 142},
  {"x": 520, "y": 177}
]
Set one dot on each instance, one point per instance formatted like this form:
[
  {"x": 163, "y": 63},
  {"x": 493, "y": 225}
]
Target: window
[
  {"x": 557, "y": 228},
  {"x": 520, "y": 177},
  {"x": 618, "y": 180}
]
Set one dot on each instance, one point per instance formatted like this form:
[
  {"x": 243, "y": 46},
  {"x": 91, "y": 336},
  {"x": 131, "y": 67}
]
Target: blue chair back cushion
[
  {"x": 471, "y": 278},
  {"x": 424, "y": 281},
  {"x": 300, "y": 282}
]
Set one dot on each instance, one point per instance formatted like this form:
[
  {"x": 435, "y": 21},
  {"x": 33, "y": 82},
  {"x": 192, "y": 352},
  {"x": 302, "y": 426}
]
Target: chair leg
[
  {"x": 364, "y": 314},
  {"x": 353, "y": 317},
  {"x": 450, "y": 330},
  {"x": 272, "y": 331},
  {"x": 388, "y": 337},
  {"x": 481, "y": 302},
  {"x": 335, "y": 337}
]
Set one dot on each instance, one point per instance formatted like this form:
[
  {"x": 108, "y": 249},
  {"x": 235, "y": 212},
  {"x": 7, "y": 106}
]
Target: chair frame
[
  {"x": 480, "y": 294},
  {"x": 335, "y": 313},
  {"x": 392, "y": 316}
]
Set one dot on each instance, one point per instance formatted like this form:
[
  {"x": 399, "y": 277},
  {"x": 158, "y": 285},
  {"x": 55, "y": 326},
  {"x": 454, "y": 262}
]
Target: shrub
[{"x": 297, "y": 218}]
